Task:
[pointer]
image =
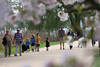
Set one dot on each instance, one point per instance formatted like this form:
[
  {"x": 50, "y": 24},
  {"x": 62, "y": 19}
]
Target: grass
[
  {"x": 51, "y": 44},
  {"x": 96, "y": 62},
  {"x": 42, "y": 45}
]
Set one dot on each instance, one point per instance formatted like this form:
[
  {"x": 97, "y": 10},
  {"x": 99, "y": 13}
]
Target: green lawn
[
  {"x": 96, "y": 62},
  {"x": 41, "y": 46},
  {"x": 51, "y": 43}
]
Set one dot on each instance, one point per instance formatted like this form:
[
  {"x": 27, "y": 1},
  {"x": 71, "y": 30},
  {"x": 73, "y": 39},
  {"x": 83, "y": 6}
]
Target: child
[
  {"x": 37, "y": 42},
  {"x": 27, "y": 44},
  {"x": 71, "y": 46},
  {"x": 32, "y": 40},
  {"x": 47, "y": 43}
]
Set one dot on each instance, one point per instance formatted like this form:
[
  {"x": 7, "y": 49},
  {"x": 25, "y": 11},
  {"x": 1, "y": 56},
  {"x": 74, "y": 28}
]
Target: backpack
[
  {"x": 4, "y": 41},
  {"x": 24, "y": 48}
]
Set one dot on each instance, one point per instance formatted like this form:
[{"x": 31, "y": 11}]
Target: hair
[
  {"x": 70, "y": 29},
  {"x": 33, "y": 36},
  {"x": 7, "y": 31},
  {"x": 37, "y": 34},
  {"x": 47, "y": 38},
  {"x": 27, "y": 39}
]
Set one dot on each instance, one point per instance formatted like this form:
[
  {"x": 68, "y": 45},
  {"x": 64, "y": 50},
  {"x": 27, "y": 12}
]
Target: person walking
[
  {"x": 47, "y": 44},
  {"x": 71, "y": 37},
  {"x": 18, "y": 38},
  {"x": 93, "y": 36},
  {"x": 61, "y": 35},
  {"x": 37, "y": 42},
  {"x": 32, "y": 41},
  {"x": 7, "y": 43},
  {"x": 70, "y": 33}
]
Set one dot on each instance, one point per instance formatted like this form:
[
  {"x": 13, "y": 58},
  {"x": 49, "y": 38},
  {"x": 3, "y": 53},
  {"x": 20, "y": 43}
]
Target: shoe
[
  {"x": 46, "y": 49},
  {"x": 37, "y": 50},
  {"x": 63, "y": 48},
  {"x": 9, "y": 55},
  {"x": 20, "y": 55},
  {"x": 5, "y": 56},
  {"x": 60, "y": 48},
  {"x": 15, "y": 55},
  {"x": 32, "y": 50}
]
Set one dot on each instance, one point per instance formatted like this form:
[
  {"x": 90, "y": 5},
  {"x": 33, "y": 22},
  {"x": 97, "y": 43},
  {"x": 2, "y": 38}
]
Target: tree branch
[{"x": 93, "y": 6}]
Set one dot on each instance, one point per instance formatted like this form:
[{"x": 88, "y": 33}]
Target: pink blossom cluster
[
  {"x": 4, "y": 12},
  {"x": 63, "y": 16},
  {"x": 67, "y": 2},
  {"x": 34, "y": 9}
]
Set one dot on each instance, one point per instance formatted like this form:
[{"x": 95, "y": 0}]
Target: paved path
[{"x": 40, "y": 59}]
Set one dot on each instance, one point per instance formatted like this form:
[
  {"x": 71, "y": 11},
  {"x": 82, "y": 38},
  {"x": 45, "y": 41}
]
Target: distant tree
[{"x": 9, "y": 26}]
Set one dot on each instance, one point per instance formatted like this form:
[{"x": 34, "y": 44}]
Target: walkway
[{"x": 40, "y": 59}]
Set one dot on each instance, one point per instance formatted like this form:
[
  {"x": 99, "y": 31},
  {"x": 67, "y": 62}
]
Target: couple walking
[
  {"x": 61, "y": 35},
  {"x": 7, "y": 41}
]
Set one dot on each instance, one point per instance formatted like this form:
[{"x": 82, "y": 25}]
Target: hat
[
  {"x": 18, "y": 29},
  {"x": 7, "y": 31}
]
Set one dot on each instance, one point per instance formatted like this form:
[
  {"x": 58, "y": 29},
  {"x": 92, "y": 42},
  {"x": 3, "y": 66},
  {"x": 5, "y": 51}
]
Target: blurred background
[{"x": 47, "y": 16}]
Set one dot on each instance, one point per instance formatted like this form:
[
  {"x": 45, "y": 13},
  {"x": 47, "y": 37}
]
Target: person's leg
[
  {"x": 63, "y": 46},
  {"x": 99, "y": 47},
  {"x": 20, "y": 49},
  {"x": 78, "y": 45},
  {"x": 16, "y": 49},
  {"x": 28, "y": 48},
  {"x": 47, "y": 48},
  {"x": 32, "y": 47},
  {"x": 35, "y": 47},
  {"x": 5, "y": 50},
  {"x": 71, "y": 47},
  {"x": 93, "y": 43},
  {"x": 9, "y": 46},
  {"x": 38, "y": 47},
  {"x": 60, "y": 45}
]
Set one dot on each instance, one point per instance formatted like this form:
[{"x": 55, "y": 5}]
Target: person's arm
[
  {"x": 72, "y": 34},
  {"x": 30, "y": 41},
  {"x": 14, "y": 38},
  {"x": 34, "y": 40},
  {"x": 39, "y": 38},
  {"x": 68, "y": 33},
  {"x": 22, "y": 37},
  {"x": 11, "y": 39},
  {"x": 64, "y": 33},
  {"x": 58, "y": 35}
]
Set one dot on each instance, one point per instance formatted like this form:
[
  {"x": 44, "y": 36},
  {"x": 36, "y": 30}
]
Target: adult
[
  {"x": 61, "y": 35},
  {"x": 18, "y": 38},
  {"x": 93, "y": 36},
  {"x": 7, "y": 39},
  {"x": 70, "y": 33}
]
